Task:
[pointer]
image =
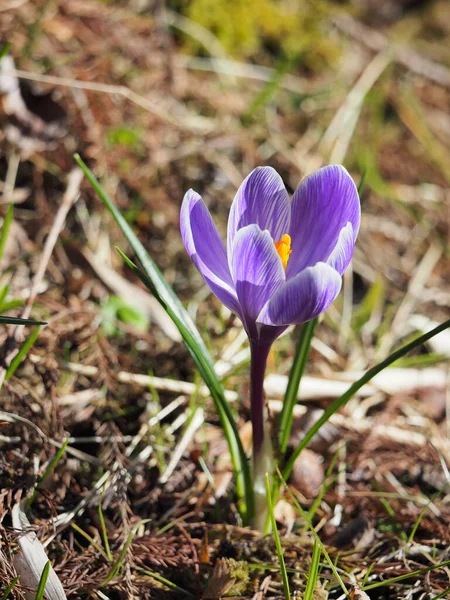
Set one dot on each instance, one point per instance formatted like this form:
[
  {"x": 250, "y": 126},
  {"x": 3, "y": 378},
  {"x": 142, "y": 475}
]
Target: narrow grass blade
[
  {"x": 90, "y": 540},
  {"x": 424, "y": 510},
  {"x": 329, "y": 478},
  {"x": 417, "y": 523},
  {"x": 50, "y": 468},
  {"x": 10, "y": 305},
  {"x": 411, "y": 575},
  {"x": 166, "y": 582},
  {"x": 295, "y": 376},
  {"x": 163, "y": 292},
  {"x": 362, "y": 182},
  {"x": 367, "y": 575},
  {"x": 23, "y": 351},
  {"x": 4, "y": 292},
  {"x": 6, "y": 222},
  {"x": 443, "y": 594},
  {"x": 4, "y": 50},
  {"x": 152, "y": 277},
  {"x": 269, "y": 90},
  {"x": 10, "y": 588},
  {"x": 339, "y": 402},
  {"x": 104, "y": 531},
  {"x": 371, "y": 303},
  {"x": 317, "y": 539},
  {"x": 284, "y": 577},
  {"x": 17, "y": 321},
  {"x": 422, "y": 360},
  {"x": 313, "y": 573},
  {"x": 43, "y": 581},
  {"x": 118, "y": 563}
]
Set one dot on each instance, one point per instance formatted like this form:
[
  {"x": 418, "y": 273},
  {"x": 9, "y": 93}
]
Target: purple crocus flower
[
  {"x": 282, "y": 265},
  {"x": 317, "y": 231}
]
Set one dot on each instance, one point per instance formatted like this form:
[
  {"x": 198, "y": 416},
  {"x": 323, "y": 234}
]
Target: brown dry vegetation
[{"x": 154, "y": 113}]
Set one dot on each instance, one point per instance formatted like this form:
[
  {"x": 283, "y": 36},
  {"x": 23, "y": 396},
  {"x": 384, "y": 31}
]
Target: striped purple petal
[
  {"x": 322, "y": 206},
  {"x": 206, "y": 249},
  {"x": 261, "y": 200},
  {"x": 256, "y": 269},
  {"x": 302, "y": 298},
  {"x": 342, "y": 253}
]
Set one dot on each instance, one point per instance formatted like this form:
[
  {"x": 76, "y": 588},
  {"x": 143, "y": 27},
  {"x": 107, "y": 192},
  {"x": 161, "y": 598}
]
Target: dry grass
[{"x": 153, "y": 121}]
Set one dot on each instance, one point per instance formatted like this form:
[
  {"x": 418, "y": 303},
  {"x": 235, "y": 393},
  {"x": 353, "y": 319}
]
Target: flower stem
[{"x": 262, "y": 445}]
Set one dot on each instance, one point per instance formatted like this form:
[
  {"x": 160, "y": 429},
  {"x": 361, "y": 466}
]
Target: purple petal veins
[
  {"x": 342, "y": 253},
  {"x": 206, "y": 249},
  {"x": 262, "y": 200},
  {"x": 322, "y": 205},
  {"x": 302, "y": 298},
  {"x": 256, "y": 269},
  {"x": 323, "y": 222}
]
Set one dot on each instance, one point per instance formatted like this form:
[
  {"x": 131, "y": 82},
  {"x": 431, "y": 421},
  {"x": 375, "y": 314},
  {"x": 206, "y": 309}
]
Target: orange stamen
[{"x": 283, "y": 247}]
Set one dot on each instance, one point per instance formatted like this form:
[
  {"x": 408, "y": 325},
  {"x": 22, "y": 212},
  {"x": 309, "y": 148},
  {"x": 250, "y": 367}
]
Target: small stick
[
  {"x": 412, "y": 297},
  {"x": 340, "y": 131},
  {"x": 189, "y": 122},
  {"x": 376, "y": 41},
  {"x": 168, "y": 385},
  {"x": 73, "y": 187},
  {"x": 10, "y": 180},
  {"x": 196, "y": 423}
]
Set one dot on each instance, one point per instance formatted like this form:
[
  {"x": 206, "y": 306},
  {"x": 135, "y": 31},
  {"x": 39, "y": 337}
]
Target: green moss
[
  {"x": 289, "y": 27},
  {"x": 117, "y": 309},
  {"x": 125, "y": 136},
  {"x": 239, "y": 571}
]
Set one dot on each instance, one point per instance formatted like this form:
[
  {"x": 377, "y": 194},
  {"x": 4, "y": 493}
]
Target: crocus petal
[
  {"x": 256, "y": 269},
  {"x": 262, "y": 200},
  {"x": 206, "y": 249},
  {"x": 321, "y": 207},
  {"x": 302, "y": 298},
  {"x": 343, "y": 251}
]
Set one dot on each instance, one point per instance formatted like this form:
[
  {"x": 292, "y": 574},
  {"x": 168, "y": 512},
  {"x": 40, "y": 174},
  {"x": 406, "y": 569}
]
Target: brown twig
[
  {"x": 73, "y": 187},
  {"x": 377, "y": 42}
]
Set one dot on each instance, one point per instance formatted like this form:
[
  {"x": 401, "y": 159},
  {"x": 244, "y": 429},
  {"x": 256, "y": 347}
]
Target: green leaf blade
[
  {"x": 43, "y": 581},
  {"x": 295, "y": 376},
  {"x": 152, "y": 277},
  {"x": 342, "y": 400},
  {"x": 17, "y": 321}
]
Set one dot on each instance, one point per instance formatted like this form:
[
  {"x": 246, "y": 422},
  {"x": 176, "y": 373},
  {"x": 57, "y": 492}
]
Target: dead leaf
[
  {"x": 356, "y": 593},
  {"x": 220, "y": 581},
  {"x": 308, "y": 473},
  {"x": 285, "y": 514},
  {"x": 33, "y": 558},
  {"x": 204, "y": 552}
]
